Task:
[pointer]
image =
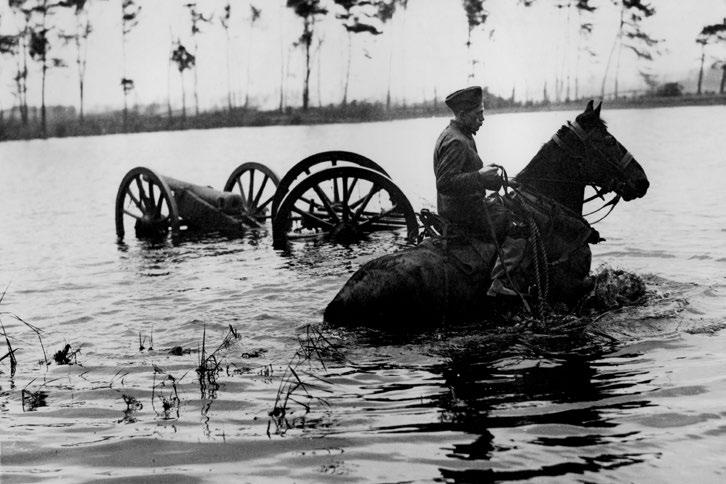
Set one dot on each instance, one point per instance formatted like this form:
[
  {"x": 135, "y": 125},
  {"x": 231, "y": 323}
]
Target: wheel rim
[
  {"x": 257, "y": 185},
  {"x": 346, "y": 202},
  {"x": 144, "y": 197},
  {"x": 329, "y": 158}
]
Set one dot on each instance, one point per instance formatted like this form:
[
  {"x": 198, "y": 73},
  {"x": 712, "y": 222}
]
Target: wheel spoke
[
  {"x": 350, "y": 189},
  {"x": 364, "y": 201},
  {"x": 322, "y": 223},
  {"x": 252, "y": 188},
  {"x": 142, "y": 194},
  {"x": 266, "y": 202},
  {"x": 344, "y": 202},
  {"x": 242, "y": 192},
  {"x": 326, "y": 202},
  {"x": 157, "y": 212},
  {"x": 134, "y": 199},
  {"x": 379, "y": 216},
  {"x": 336, "y": 194},
  {"x": 132, "y": 214},
  {"x": 261, "y": 189},
  {"x": 151, "y": 192}
]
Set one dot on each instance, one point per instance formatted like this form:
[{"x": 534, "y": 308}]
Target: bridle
[{"x": 618, "y": 166}]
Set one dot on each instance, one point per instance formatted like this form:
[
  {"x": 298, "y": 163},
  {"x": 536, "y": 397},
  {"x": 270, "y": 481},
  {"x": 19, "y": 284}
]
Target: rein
[{"x": 619, "y": 166}]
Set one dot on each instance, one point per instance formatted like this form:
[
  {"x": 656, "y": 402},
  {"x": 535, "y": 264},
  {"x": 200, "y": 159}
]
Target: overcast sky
[{"x": 517, "y": 48}]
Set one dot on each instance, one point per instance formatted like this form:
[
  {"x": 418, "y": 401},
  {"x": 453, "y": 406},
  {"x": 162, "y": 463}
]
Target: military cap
[{"x": 464, "y": 99}]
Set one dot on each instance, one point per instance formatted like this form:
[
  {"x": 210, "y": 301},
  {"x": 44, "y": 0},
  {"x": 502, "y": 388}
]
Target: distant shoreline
[
  {"x": 63, "y": 122},
  {"x": 644, "y": 102}
]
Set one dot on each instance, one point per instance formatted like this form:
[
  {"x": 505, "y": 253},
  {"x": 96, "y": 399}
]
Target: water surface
[{"x": 643, "y": 404}]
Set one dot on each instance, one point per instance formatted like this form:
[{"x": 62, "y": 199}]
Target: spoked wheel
[
  {"x": 144, "y": 197},
  {"x": 345, "y": 202},
  {"x": 317, "y": 162},
  {"x": 257, "y": 184}
]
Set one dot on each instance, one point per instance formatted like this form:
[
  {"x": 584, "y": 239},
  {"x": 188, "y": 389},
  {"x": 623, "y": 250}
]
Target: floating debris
[
  {"x": 64, "y": 356},
  {"x": 614, "y": 288}
]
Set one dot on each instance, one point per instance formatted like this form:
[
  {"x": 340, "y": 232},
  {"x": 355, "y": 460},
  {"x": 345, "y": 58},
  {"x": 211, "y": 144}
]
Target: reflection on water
[{"x": 637, "y": 396}]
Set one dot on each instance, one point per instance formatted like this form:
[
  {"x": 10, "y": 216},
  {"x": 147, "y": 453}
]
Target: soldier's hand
[{"x": 490, "y": 178}]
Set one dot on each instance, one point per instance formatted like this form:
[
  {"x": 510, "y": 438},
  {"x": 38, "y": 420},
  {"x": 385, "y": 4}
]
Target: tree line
[{"x": 37, "y": 36}]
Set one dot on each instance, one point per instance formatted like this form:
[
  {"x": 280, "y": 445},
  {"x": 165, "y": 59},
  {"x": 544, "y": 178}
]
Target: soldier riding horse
[{"x": 533, "y": 237}]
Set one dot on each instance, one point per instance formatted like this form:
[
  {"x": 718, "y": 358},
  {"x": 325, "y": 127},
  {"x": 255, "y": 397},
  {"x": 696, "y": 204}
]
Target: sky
[{"x": 421, "y": 54}]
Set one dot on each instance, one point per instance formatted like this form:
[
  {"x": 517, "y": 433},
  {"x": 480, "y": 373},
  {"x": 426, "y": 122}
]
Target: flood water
[{"x": 444, "y": 405}]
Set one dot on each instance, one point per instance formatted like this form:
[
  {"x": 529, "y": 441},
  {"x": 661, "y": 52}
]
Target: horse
[{"x": 445, "y": 279}]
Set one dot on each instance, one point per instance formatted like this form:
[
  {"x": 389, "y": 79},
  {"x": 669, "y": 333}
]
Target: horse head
[
  {"x": 607, "y": 164},
  {"x": 582, "y": 153}
]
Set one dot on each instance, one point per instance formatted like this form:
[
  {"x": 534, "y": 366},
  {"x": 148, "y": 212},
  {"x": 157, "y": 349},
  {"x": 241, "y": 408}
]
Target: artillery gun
[{"x": 339, "y": 194}]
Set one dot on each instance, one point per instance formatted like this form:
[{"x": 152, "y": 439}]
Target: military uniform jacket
[{"x": 459, "y": 191}]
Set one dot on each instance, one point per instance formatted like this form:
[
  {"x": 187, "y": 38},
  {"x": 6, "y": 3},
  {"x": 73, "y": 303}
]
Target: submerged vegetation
[{"x": 307, "y": 381}]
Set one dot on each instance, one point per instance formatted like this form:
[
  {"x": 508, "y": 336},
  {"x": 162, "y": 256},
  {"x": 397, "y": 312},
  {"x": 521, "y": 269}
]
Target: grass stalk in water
[
  {"x": 11, "y": 351},
  {"x": 293, "y": 390}
]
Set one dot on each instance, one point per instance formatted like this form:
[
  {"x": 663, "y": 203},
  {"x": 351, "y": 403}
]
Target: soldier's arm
[{"x": 451, "y": 179}]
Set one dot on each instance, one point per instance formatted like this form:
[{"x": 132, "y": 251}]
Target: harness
[
  {"x": 618, "y": 166},
  {"x": 541, "y": 262}
]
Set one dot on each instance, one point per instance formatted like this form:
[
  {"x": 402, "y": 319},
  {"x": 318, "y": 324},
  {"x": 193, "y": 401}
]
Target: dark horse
[{"x": 444, "y": 280}]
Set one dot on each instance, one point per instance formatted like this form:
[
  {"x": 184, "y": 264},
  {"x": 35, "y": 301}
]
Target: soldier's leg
[{"x": 508, "y": 275}]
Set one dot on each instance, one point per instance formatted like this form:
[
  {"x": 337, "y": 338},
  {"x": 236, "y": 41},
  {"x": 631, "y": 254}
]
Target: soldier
[
  {"x": 461, "y": 177},
  {"x": 462, "y": 181}
]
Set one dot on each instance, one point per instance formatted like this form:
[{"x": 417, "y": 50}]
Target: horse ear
[
  {"x": 597, "y": 109},
  {"x": 589, "y": 106}
]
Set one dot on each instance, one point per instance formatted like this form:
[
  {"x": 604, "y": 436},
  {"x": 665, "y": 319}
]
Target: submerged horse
[{"x": 445, "y": 279}]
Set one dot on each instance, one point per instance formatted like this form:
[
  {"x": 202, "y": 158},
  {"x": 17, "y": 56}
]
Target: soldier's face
[{"x": 473, "y": 119}]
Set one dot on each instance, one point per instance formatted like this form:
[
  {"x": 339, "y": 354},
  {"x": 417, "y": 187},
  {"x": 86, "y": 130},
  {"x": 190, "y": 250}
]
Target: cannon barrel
[{"x": 227, "y": 202}]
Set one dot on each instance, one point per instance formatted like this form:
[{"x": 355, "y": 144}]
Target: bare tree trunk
[
  {"x": 306, "y": 84},
  {"x": 249, "y": 56},
  {"x": 229, "y": 75},
  {"x": 123, "y": 62},
  {"x": 468, "y": 54},
  {"x": 616, "y": 41},
  {"x": 184, "y": 99},
  {"x": 196, "y": 78},
  {"x": 388, "y": 89},
  {"x": 568, "y": 67},
  {"x": 577, "y": 56},
  {"x": 319, "y": 74},
  {"x": 347, "y": 71},
  {"x": 43, "y": 121},
  {"x": 700, "y": 72},
  {"x": 617, "y": 67},
  {"x": 168, "y": 80},
  {"x": 282, "y": 64}
]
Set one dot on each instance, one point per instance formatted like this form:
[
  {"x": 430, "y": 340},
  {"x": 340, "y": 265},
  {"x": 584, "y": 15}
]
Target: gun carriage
[{"x": 339, "y": 194}]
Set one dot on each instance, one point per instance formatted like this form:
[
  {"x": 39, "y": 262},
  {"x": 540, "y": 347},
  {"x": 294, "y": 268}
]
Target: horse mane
[{"x": 588, "y": 120}]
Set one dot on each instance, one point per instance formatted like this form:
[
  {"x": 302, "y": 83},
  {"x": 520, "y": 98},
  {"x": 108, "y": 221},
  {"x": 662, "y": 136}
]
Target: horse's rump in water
[{"x": 445, "y": 279}]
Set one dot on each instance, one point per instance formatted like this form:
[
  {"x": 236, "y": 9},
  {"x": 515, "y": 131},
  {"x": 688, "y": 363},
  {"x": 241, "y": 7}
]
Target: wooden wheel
[
  {"x": 345, "y": 202},
  {"x": 257, "y": 189},
  {"x": 322, "y": 160},
  {"x": 146, "y": 198}
]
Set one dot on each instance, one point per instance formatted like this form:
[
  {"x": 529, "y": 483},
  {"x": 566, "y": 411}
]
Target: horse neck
[{"x": 543, "y": 174}]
